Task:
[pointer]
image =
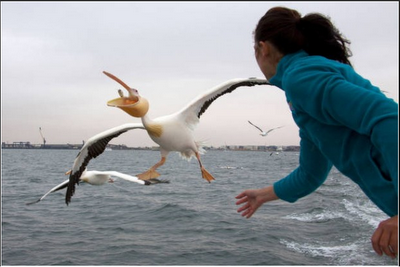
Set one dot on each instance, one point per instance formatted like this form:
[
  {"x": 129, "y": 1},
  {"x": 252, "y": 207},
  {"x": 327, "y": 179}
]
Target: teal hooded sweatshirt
[{"x": 344, "y": 122}]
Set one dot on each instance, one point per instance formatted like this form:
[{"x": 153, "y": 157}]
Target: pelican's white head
[{"x": 134, "y": 104}]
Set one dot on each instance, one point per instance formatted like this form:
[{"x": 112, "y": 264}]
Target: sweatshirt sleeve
[
  {"x": 307, "y": 177},
  {"x": 329, "y": 97}
]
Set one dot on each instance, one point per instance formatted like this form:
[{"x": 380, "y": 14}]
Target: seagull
[
  {"x": 267, "y": 132},
  {"x": 172, "y": 132},
  {"x": 98, "y": 178}
]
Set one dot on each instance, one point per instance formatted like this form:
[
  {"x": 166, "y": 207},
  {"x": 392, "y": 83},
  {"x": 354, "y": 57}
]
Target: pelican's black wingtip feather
[
  {"x": 70, "y": 192},
  {"x": 73, "y": 180},
  {"x": 30, "y": 203},
  {"x": 93, "y": 151},
  {"x": 158, "y": 181},
  {"x": 230, "y": 89}
]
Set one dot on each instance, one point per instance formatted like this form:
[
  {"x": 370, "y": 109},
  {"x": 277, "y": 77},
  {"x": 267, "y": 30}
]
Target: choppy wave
[
  {"x": 186, "y": 222},
  {"x": 365, "y": 210}
]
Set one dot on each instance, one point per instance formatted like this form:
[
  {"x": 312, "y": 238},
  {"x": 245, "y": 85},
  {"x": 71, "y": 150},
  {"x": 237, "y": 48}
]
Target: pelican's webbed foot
[
  {"x": 148, "y": 175},
  {"x": 206, "y": 175}
]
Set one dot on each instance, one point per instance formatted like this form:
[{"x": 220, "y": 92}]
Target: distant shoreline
[{"x": 27, "y": 145}]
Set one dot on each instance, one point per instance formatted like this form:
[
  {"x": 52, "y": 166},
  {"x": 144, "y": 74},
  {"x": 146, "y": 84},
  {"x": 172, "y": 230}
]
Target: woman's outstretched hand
[{"x": 253, "y": 199}]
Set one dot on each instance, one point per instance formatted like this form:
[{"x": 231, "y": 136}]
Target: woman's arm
[{"x": 311, "y": 173}]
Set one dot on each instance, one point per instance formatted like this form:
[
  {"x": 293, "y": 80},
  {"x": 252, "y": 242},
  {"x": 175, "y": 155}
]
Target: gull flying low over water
[
  {"x": 96, "y": 178},
  {"x": 263, "y": 133},
  {"x": 172, "y": 132}
]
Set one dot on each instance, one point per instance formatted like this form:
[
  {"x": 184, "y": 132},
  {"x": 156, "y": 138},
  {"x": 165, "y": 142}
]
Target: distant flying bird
[
  {"x": 99, "y": 178},
  {"x": 172, "y": 132},
  {"x": 267, "y": 132}
]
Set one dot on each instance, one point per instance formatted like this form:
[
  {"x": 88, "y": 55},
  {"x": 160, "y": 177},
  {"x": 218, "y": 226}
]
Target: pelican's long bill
[
  {"x": 134, "y": 104},
  {"x": 117, "y": 80}
]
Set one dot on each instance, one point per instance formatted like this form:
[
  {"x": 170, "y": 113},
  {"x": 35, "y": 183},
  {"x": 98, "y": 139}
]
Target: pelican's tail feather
[
  {"x": 188, "y": 154},
  {"x": 200, "y": 146}
]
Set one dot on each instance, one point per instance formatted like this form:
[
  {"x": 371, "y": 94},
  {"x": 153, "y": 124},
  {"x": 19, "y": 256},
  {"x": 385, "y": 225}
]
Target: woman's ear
[
  {"x": 268, "y": 50},
  {"x": 264, "y": 48}
]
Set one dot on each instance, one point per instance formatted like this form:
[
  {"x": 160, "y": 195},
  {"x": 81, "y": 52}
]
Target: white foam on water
[
  {"x": 229, "y": 167},
  {"x": 318, "y": 250},
  {"x": 317, "y": 216},
  {"x": 365, "y": 210},
  {"x": 354, "y": 211},
  {"x": 340, "y": 254}
]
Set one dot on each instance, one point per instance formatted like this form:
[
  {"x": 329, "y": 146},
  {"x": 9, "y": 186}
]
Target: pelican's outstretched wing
[
  {"x": 98, "y": 174},
  {"x": 256, "y": 126},
  {"x": 199, "y": 105},
  {"x": 125, "y": 177},
  {"x": 54, "y": 189},
  {"x": 134, "y": 178},
  {"x": 93, "y": 148}
]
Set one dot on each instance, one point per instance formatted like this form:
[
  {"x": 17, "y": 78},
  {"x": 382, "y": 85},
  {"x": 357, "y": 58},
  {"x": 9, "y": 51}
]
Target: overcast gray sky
[{"x": 53, "y": 55}]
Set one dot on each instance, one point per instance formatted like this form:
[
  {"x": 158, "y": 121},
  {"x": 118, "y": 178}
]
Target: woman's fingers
[
  {"x": 375, "y": 241},
  {"x": 241, "y": 201},
  {"x": 245, "y": 207},
  {"x": 241, "y": 195}
]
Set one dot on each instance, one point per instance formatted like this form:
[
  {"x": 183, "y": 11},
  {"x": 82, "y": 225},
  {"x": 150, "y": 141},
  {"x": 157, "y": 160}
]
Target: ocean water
[{"x": 185, "y": 222}]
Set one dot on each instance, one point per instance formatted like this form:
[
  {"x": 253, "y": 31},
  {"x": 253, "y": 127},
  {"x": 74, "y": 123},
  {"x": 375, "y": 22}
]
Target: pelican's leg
[
  {"x": 206, "y": 175},
  {"x": 152, "y": 173}
]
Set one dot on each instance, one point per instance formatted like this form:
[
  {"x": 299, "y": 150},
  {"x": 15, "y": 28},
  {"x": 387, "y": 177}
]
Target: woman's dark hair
[{"x": 314, "y": 33}]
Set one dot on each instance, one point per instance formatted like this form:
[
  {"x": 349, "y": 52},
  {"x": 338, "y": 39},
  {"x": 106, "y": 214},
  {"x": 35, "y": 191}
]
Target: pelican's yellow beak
[
  {"x": 136, "y": 108},
  {"x": 134, "y": 105}
]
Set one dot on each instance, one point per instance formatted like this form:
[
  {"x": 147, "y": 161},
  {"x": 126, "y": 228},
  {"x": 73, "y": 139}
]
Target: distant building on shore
[
  {"x": 28, "y": 145},
  {"x": 255, "y": 148}
]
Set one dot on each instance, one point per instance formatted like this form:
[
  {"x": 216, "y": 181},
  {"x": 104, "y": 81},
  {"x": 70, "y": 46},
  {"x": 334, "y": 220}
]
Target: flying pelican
[
  {"x": 172, "y": 132},
  {"x": 262, "y": 132},
  {"x": 98, "y": 178}
]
